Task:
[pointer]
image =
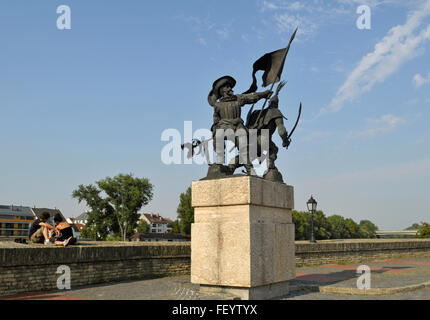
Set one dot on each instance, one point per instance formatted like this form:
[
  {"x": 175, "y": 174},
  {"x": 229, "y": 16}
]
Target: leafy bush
[
  {"x": 88, "y": 233},
  {"x": 113, "y": 237},
  {"x": 424, "y": 231}
]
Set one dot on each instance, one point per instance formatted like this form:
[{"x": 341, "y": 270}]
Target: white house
[
  {"x": 156, "y": 223},
  {"x": 82, "y": 219}
]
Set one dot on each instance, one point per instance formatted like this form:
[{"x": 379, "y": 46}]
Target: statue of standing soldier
[
  {"x": 270, "y": 119},
  {"x": 227, "y": 117}
]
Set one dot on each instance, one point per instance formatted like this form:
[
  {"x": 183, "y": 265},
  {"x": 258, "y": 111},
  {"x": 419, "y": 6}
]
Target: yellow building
[{"x": 15, "y": 222}]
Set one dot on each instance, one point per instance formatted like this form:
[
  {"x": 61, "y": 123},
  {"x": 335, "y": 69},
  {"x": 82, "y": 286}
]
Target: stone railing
[{"x": 33, "y": 268}]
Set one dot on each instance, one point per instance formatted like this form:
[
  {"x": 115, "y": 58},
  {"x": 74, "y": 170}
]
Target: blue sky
[{"x": 82, "y": 104}]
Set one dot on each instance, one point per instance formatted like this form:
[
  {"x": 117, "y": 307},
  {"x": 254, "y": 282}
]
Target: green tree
[
  {"x": 100, "y": 218},
  {"x": 142, "y": 226},
  {"x": 301, "y": 222},
  {"x": 333, "y": 227},
  {"x": 415, "y": 226},
  {"x": 322, "y": 227},
  {"x": 353, "y": 228},
  {"x": 367, "y": 229},
  {"x": 337, "y": 227},
  {"x": 424, "y": 230},
  {"x": 114, "y": 204},
  {"x": 175, "y": 227},
  {"x": 302, "y": 225},
  {"x": 185, "y": 212}
]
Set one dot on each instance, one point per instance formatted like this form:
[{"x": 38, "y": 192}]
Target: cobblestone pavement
[
  {"x": 423, "y": 294},
  {"x": 169, "y": 288},
  {"x": 384, "y": 274}
]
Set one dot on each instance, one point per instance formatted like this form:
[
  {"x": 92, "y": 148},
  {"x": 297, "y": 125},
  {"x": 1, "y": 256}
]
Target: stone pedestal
[{"x": 242, "y": 240}]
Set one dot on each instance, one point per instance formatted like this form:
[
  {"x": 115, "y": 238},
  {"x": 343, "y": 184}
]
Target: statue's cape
[{"x": 266, "y": 116}]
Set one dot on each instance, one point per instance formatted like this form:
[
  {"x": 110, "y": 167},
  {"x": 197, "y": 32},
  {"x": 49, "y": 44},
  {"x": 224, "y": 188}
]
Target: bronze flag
[{"x": 272, "y": 64}]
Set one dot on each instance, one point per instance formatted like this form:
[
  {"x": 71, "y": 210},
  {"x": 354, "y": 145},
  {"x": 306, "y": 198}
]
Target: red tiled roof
[{"x": 156, "y": 218}]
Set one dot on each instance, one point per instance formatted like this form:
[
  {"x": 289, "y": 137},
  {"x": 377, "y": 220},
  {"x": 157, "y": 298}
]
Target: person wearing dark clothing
[
  {"x": 39, "y": 230},
  {"x": 64, "y": 232}
]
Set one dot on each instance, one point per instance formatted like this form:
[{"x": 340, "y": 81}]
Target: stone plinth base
[
  {"x": 242, "y": 240},
  {"x": 270, "y": 291}
]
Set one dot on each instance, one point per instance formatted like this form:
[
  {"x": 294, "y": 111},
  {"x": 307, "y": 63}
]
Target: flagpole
[{"x": 279, "y": 70}]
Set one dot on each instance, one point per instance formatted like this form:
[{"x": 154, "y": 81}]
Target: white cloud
[
  {"x": 377, "y": 3},
  {"x": 383, "y": 124},
  {"x": 311, "y": 15},
  {"x": 204, "y": 28},
  {"x": 397, "y": 47},
  {"x": 388, "y": 119},
  {"x": 412, "y": 101},
  {"x": 316, "y": 135},
  {"x": 266, "y": 5},
  {"x": 287, "y": 22},
  {"x": 258, "y": 33},
  {"x": 202, "y": 41},
  {"x": 296, "y": 6},
  {"x": 419, "y": 80},
  {"x": 223, "y": 33},
  {"x": 288, "y": 15}
]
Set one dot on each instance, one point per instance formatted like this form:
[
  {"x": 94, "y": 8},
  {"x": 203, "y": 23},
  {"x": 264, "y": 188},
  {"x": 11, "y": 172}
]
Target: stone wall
[
  {"x": 360, "y": 250},
  {"x": 32, "y": 268}
]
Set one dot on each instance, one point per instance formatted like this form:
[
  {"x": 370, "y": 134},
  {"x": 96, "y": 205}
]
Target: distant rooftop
[
  {"x": 83, "y": 216},
  {"x": 12, "y": 210},
  {"x": 156, "y": 218},
  {"x": 52, "y": 212}
]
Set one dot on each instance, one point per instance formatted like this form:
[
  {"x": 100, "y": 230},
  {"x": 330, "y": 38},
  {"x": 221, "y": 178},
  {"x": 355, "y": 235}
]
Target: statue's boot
[
  {"x": 273, "y": 174},
  {"x": 250, "y": 170},
  {"x": 231, "y": 168},
  {"x": 216, "y": 171}
]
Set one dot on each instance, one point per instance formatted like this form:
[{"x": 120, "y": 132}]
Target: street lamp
[{"x": 312, "y": 207}]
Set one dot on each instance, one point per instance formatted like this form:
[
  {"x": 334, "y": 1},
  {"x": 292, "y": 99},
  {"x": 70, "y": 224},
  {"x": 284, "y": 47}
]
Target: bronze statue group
[{"x": 257, "y": 133}]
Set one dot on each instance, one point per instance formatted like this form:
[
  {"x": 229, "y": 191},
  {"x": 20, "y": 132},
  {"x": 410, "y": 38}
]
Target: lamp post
[{"x": 312, "y": 207}]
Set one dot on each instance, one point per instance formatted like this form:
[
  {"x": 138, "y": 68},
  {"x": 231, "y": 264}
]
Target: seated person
[
  {"x": 39, "y": 230},
  {"x": 64, "y": 232}
]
